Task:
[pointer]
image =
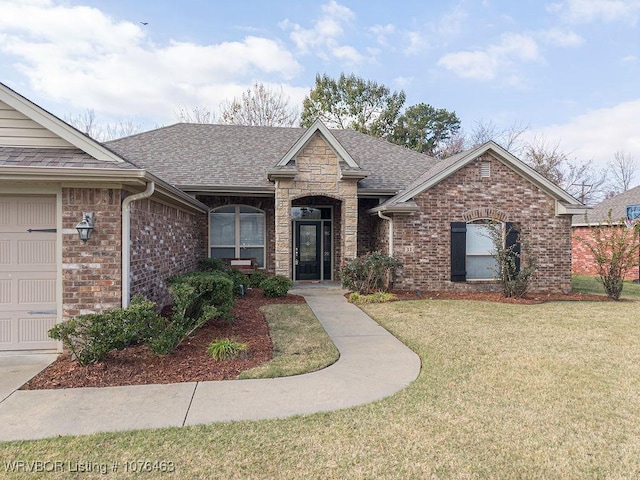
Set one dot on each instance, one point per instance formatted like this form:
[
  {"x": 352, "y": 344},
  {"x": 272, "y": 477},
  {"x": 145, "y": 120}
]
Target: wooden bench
[{"x": 245, "y": 265}]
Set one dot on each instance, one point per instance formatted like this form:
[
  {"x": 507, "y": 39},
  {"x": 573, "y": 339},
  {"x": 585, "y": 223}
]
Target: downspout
[
  {"x": 390, "y": 220},
  {"x": 126, "y": 239}
]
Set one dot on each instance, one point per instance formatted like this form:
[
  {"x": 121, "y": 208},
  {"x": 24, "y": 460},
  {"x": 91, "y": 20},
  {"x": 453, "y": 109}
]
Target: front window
[
  {"x": 237, "y": 231},
  {"x": 480, "y": 262}
]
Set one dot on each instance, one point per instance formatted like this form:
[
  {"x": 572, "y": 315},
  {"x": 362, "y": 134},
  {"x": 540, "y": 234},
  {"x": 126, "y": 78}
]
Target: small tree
[
  {"x": 615, "y": 251},
  {"x": 508, "y": 249}
]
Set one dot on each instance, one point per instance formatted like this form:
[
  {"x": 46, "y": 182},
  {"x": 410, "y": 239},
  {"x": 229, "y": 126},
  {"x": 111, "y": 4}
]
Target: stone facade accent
[
  {"x": 165, "y": 241},
  {"x": 92, "y": 271},
  {"x": 318, "y": 176},
  {"x": 422, "y": 240}
]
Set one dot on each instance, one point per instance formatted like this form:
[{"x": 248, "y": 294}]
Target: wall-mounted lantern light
[{"x": 85, "y": 226}]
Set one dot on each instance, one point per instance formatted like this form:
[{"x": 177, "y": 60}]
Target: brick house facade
[
  {"x": 582, "y": 228},
  {"x": 300, "y": 202}
]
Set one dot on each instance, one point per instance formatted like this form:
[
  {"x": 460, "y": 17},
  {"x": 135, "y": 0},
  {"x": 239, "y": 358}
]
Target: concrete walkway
[{"x": 373, "y": 364}]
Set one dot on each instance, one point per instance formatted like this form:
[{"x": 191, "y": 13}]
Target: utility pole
[{"x": 582, "y": 187}]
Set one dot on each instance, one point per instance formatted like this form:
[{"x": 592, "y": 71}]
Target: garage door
[{"x": 27, "y": 272}]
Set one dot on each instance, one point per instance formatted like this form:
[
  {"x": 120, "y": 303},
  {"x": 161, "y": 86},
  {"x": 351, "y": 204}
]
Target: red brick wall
[
  {"x": 583, "y": 262},
  {"x": 165, "y": 241},
  {"x": 91, "y": 272},
  {"x": 422, "y": 240}
]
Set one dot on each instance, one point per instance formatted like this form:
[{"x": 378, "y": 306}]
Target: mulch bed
[
  {"x": 529, "y": 299},
  {"x": 190, "y": 363}
]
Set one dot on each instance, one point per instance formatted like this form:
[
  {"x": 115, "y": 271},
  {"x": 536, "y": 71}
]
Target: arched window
[{"x": 237, "y": 231}]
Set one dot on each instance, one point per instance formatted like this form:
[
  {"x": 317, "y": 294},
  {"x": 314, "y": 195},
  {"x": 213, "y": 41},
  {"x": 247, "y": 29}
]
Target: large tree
[
  {"x": 351, "y": 102},
  {"x": 425, "y": 129}
]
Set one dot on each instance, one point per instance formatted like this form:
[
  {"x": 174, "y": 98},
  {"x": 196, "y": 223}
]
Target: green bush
[
  {"x": 226, "y": 349},
  {"x": 214, "y": 288},
  {"x": 277, "y": 286},
  {"x": 370, "y": 273},
  {"x": 256, "y": 279},
  {"x": 90, "y": 337},
  {"x": 197, "y": 298},
  {"x": 377, "y": 297},
  {"x": 240, "y": 280},
  {"x": 213, "y": 265}
]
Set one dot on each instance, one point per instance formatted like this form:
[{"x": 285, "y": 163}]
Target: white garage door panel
[{"x": 27, "y": 272}]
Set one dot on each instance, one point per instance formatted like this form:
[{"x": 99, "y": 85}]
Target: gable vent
[{"x": 485, "y": 169}]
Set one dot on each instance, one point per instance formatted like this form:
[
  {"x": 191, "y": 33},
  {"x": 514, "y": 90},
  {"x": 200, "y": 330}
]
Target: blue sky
[{"x": 570, "y": 69}]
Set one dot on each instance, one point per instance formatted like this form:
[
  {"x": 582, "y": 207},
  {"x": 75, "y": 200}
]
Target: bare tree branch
[
  {"x": 259, "y": 105},
  {"x": 87, "y": 122},
  {"x": 623, "y": 169}
]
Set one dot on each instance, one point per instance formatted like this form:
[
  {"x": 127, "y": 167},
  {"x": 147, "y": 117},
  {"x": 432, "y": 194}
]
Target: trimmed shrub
[
  {"x": 277, "y": 286},
  {"x": 90, "y": 337},
  {"x": 370, "y": 273},
  {"x": 256, "y": 279},
  {"x": 226, "y": 349},
  {"x": 214, "y": 288},
  {"x": 213, "y": 265},
  {"x": 240, "y": 280},
  {"x": 197, "y": 298}
]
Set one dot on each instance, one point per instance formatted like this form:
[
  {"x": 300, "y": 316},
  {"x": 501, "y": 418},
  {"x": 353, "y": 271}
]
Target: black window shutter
[
  {"x": 512, "y": 241},
  {"x": 458, "y": 251}
]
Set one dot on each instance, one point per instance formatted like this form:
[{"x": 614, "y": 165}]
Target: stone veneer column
[
  {"x": 283, "y": 229},
  {"x": 318, "y": 174},
  {"x": 349, "y": 221}
]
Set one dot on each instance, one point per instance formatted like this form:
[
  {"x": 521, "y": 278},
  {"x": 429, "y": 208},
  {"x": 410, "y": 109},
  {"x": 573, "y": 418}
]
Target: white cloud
[
  {"x": 597, "y": 134},
  {"x": 562, "y": 38},
  {"x": 487, "y": 64},
  {"x": 381, "y": 32},
  {"x": 323, "y": 37},
  {"x": 416, "y": 43},
  {"x": 586, "y": 11},
  {"x": 79, "y": 56}
]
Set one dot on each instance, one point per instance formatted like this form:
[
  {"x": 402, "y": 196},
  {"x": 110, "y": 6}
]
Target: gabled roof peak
[{"x": 321, "y": 128}]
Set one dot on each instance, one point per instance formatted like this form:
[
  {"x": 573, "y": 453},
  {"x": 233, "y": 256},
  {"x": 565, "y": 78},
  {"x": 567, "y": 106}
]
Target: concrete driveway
[{"x": 16, "y": 369}]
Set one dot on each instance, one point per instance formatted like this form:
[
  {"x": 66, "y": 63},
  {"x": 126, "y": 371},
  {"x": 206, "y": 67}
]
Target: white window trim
[
  {"x": 238, "y": 245},
  {"x": 477, "y": 221}
]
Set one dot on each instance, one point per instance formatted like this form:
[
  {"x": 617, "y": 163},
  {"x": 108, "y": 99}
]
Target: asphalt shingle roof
[
  {"x": 617, "y": 205},
  {"x": 239, "y": 156},
  {"x": 54, "y": 157}
]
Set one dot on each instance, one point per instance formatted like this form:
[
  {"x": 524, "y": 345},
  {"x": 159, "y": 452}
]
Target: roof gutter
[
  {"x": 126, "y": 239},
  {"x": 390, "y": 220}
]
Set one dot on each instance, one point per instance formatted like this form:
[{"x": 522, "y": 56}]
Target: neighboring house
[
  {"x": 583, "y": 262},
  {"x": 298, "y": 201}
]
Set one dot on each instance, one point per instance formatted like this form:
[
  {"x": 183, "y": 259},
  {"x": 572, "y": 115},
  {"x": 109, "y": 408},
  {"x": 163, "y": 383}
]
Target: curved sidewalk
[{"x": 373, "y": 364}]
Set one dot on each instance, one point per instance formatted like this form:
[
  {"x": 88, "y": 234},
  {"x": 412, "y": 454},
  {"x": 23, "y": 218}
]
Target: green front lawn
[
  {"x": 506, "y": 391},
  {"x": 591, "y": 285}
]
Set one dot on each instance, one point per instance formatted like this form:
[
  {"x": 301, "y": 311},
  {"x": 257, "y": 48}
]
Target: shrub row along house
[{"x": 298, "y": 201}]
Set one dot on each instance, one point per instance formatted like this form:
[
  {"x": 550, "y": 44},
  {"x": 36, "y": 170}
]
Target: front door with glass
[{"x": 308, "y": 250}]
